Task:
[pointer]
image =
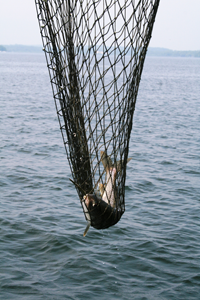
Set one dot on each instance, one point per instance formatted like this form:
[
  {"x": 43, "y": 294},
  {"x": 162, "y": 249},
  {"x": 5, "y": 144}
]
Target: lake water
[{"x": 154, "y": 251}]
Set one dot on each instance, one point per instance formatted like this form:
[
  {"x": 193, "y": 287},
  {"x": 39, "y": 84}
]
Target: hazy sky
[{"x": 177, "y": 25}]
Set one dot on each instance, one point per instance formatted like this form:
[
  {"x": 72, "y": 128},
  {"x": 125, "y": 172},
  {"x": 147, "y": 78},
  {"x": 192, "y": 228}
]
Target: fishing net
[{"x": 95, "y": 51}]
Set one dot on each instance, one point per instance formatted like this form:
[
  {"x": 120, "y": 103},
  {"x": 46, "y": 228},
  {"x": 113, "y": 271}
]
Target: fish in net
[{"x": 95, "y": 51}]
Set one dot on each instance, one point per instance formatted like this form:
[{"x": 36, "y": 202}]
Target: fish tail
[{"x": 87, "y": 228}]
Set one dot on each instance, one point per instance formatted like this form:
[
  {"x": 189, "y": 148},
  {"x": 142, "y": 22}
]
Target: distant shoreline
[
  {"x": 162, "y": 52},
  {"x": 171, "y": 53},
  {"x": 21, "y": 48}
]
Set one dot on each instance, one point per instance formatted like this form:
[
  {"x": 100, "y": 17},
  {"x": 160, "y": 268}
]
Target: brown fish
[{"x": 101, "y": 211}]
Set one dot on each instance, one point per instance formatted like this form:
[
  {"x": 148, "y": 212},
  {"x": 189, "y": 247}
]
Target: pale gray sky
[{"x": 177, "y": 25}]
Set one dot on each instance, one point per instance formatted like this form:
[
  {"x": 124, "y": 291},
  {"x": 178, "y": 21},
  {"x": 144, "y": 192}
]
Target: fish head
[{"x": 90, "y": 201}]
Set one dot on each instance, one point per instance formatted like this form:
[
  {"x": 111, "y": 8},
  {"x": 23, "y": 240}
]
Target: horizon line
[{"x": 151, "y": 47}]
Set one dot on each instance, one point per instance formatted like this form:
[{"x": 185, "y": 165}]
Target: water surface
[{"x": 154, "y": 251}]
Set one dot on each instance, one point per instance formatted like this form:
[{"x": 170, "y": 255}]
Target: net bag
[{"x": 95, "y": 51}]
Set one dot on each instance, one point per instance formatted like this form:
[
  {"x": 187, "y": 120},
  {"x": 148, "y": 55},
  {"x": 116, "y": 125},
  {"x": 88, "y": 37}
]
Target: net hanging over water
[{"x": 95, "y": 51}]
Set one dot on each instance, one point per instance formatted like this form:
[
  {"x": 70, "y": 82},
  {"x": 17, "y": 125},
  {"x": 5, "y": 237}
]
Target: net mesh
[{"x": 95, "y": 51}]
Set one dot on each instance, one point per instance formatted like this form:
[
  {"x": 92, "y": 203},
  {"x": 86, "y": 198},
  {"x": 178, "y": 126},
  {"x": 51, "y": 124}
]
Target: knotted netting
[{"x": 95, "y": 51}]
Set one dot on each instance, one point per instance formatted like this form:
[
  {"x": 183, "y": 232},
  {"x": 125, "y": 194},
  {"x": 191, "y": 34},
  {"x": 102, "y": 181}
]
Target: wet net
[{"x": 95, "y": 51}]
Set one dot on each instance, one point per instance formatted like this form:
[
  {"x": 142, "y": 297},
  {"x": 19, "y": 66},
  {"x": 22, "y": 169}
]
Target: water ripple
[{"x": 153, "y": 252}]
